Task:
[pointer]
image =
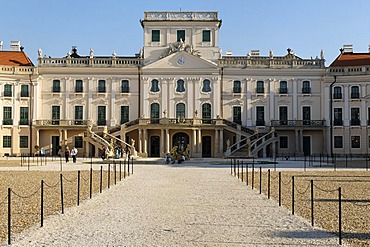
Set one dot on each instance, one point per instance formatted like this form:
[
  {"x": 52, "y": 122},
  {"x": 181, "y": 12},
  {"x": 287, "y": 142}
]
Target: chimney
[
  {"x": 229, "y": 53},
  {"x": 347, "y": 49},
  {"x": 1, "y": 45},
  {"x": 15, "y": 45}
]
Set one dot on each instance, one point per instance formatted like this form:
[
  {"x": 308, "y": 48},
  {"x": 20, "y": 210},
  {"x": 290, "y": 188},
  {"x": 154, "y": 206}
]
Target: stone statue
[
  {"x": 228, "y": 143},
  {"x": 322, "y": 54},
  {"x": 132, "y": 143},
  {"x": 141, "y": 53},
  {"x": 220, "y": 53},
  {"x": 91, "y": 53},
  {"x": 182, "y": 45},
  {"x": 39, "y": 51},
  {"x": 271, "y": 54},
  {"x": 164, "y": 113},
  {"x": 68, "y": 54},
  {"x": 114, "y": 54},
  {"x": 196, "y": 113}
]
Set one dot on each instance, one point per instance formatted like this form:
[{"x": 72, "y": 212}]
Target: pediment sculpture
[{"x": 179, "y": 46}]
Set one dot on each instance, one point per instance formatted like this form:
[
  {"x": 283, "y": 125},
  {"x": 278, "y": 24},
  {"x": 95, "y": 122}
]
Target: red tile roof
[
  {"x": 14, "y": 58},
  {"x": 351, "y": 59}
]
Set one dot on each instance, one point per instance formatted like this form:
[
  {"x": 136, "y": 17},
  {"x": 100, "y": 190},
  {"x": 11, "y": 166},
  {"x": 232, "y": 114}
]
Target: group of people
[
  {"x": 71, "y": 153},
  {"x": 179, "y": 158},
  {"x": 118, "y": 152}
]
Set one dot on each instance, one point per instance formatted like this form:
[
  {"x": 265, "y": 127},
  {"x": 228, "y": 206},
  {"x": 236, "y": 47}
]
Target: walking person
[
  {"x": 66, "y": 154},
  {"x": 74, "y": 154}
]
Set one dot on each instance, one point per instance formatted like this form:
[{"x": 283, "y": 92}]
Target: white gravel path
[{"x": 177, "y": 206}]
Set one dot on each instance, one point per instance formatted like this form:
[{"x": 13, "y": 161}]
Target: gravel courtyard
[{"x": 187, "y": 205}]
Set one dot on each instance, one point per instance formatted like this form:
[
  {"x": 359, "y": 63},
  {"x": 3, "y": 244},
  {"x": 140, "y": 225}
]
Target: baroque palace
[{"x": 180, "y": 93}]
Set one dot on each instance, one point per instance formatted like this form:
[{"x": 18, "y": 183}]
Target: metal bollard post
[
  {"x": 340, "y": 214},
  {"x": 268, "y": 183},
  {"x": 312, "y": 205},
  {"x": 242, "y": 172},
  {"x": 109, "y": 176},
  {"x": 279, "y": 188},
  {"x": 61, "y": 192},
  {"x": 260, "y": 180},
  {"x": 78, "y": 187},
  {"x": 91, "y": 181},
  {"x": 292, "y": 195},
  {"x": 252, "y": 176},
  {"x": 238, "y": 169},
  {"x": 9, "y": 215},
  {"x": 42, "y": 204},
  {"x": 246, "y": 179},
  {"x": 101, "y": 179}
]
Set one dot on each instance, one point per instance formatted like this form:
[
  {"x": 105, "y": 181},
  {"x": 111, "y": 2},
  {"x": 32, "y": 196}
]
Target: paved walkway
[{"x": 187, "y": 205}]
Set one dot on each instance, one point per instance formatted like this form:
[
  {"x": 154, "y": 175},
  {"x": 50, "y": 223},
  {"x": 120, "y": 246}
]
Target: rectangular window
[
  {"x": 56, "y": 86},
  {"x": 55, "y": 115},
  {"x": 8, "y": 118},
  {"x": 283, "y": 115},
  {"x": 237, "y": 114},
  {"x": 23, "y": 120},
  {"x": 306, "y": 115},
  {"x": 355, "y": 142},
  {"x": 23, "y": 141},
  {"x": 206, "y": 36},
  {"x": 180, "y": 35},
  {"x": 25, "y": 91},
  {"x": 79, "y": 86},
  {"x": 7, "y": 141},
  {"x": 355, "y": 116},
  {"x": 338, "y": 119},
  {"x": 237, "y": 87},
  {"x": 283, "y": 142},
  {"x": 101, "y": 86},
  {"x": 283, "y": 87},
  {"x": 156, "y": 34},
  {"x": 79, "y": 112},
  {"x": 125, "y": 114},
  {"x": 306, "y": 89},
  {"x": 260, "y": 116},
  {"x": 125, "y": 87},
  {"x": 338, "y": 141},
  {"x": 337, "y": 93},
  {"x": 260, "y": 87},
  {"x": 78, "y": 142},
  {"x": 102, "y": 115},
  {"x": 7, "y": 90}
]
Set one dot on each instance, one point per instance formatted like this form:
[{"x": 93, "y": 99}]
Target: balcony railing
[
  {"x": 306, "y": 90},
  {"x": 8, "y": 122},
  {"x": 298, "y": 123},
  {"x": 61, "y": 122},
  {"x": 24, "y": 122}
]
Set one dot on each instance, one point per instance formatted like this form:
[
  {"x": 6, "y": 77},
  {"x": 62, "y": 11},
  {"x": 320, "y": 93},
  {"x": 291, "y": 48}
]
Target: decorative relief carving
[
  {"x": 283, "y": 101},
  {"x": 179, "y": 46},
  {"x": 258, "y": 101},
  {"x": 307, "y": 101}
]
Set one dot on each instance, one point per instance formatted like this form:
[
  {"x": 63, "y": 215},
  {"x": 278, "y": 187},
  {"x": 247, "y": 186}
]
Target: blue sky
[{"x": 113, "y": 25}]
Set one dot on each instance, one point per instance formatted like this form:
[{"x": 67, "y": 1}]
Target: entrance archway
[{"x": 181, "y": 140}]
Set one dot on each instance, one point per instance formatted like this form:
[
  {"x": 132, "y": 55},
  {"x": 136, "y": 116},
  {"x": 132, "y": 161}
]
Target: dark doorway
[
  {"x": 206, "y": 146},
  {"x": 154, "y": 146},
  {"x": 54, "y": 145},
  {"x": 307, "y": 145},
  {"x": 181, "y": 140}
]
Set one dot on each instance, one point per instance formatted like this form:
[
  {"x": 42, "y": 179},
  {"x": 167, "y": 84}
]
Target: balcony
[
  {"x": 61, "y": 122},
  {"x": 297, "y": 123}
]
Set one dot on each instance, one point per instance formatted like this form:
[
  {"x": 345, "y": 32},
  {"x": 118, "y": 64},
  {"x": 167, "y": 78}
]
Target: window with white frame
[
  {"x": 206, "y": 86},
  {"x": 154, "y": 86}
]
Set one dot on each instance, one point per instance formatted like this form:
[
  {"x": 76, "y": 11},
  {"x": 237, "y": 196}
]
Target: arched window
[
  {"x": 154, "y": 113},
  {"x": 206, "y": 86},
  {"x": 206, "y": 113},
  {"x": 180, "y": 110},
  {"x": 155, "y": 86},
  {"x": 180, "y": 86},
  {"x": 337, "y": 93},
  {"x": 355, "y": 92}
]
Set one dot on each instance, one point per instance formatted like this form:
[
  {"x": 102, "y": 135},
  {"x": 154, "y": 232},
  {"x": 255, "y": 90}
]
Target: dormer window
[
  {"x": 206, "y": 37},
  {"x": 180, "y": 35},
  {"x": 155, "y": 86},
  {"x": 180, "y": 86}
]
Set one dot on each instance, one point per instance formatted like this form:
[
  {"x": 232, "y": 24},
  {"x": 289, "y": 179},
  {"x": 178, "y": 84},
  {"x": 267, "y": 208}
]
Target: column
[
  {"x": 89, "y": 104},
  {"x": 112, "y": 100},
  {"x": 248, "y": 85},
  {"x": 221, "y": 142},
  {"x": 272, "y": 101},
  {"x": 200, "y": 142},
  {"x": 217, "y": 144},
  {"x": 194, "y": 146},
  {"x": 168, "y": 140},
  {"x": 66, "y": 102},
  {"x": 297, "y": 142},
  {"x": 145, "y": 141},
  {"x": 295, "y": 99},
  {"x": 140, "y": 141},
  {"x": 162, "y": 148}
]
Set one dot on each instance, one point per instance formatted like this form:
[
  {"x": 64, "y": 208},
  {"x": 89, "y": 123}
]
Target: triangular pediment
[{"x": 182, "y": 60}]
